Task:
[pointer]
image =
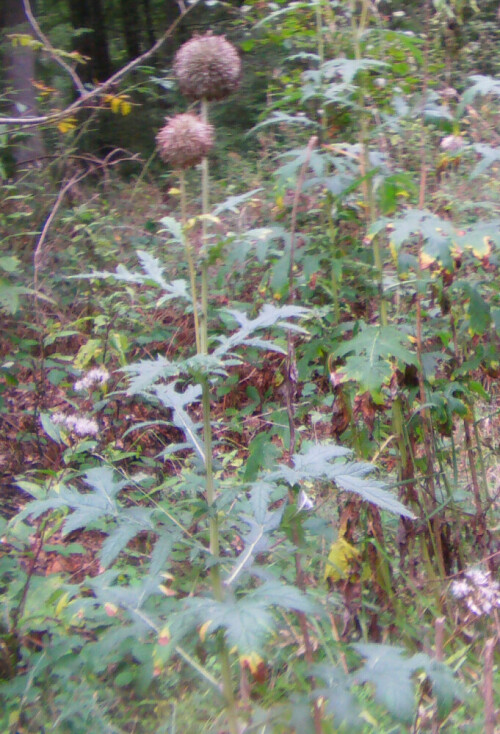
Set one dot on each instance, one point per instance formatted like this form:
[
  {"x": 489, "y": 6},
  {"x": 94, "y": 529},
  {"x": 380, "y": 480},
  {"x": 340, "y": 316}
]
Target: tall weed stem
[
  {"x": 428, "y": 438},
  {"x": 227, "y": 684},
  {"x": 357, "y": 30},
  {"x": 291, "y": 381},
  {"x": 189, "y": 256}
]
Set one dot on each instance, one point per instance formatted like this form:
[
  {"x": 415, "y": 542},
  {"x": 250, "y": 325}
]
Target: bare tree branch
[
  {"x": 88, "y": 96},
  {"x": 50, "y": 49}
]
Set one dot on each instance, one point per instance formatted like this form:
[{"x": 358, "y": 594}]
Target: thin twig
[{"x": 48, "y": 47}]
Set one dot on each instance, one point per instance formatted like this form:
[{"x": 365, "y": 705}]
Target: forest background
[{"x": 249, "y": 408}]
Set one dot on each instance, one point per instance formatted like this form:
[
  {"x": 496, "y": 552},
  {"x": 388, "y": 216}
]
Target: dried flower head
[
  {"x": 207, "y": 67},
  {"x": 184, "y": 141}
]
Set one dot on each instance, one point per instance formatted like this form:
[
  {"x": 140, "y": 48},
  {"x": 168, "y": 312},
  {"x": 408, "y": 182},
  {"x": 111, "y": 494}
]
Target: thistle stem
[
  {"x": 189, "y": 256},
  {"x": 227, "y": 684}
]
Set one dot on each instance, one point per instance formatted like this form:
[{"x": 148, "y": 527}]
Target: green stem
[
  {"x": 217, "y": 588},
  {"x": 189, "y": 256},
  {"x": 357, "y": 30}
]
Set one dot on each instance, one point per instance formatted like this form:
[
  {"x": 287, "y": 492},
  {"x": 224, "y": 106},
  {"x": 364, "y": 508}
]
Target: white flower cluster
[
  {"x": 96, "y": 376},
  {"x": 478, "y": 591},
  {"x": 452, "y": 143},
  {"x": 79, "y": 424}
]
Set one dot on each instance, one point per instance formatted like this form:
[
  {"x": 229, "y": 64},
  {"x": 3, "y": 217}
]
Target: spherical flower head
[
  {"x": 184, "y": 141},
  {"x": 207, "y": 67}
]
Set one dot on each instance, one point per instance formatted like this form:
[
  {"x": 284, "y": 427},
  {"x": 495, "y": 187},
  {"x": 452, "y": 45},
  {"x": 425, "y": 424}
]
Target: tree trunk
[
  {"x": 19, "y": 64},
  {"x": 94, "y": 43},
  {"x": 131, "y": 27},
  {"x": 149, "y": 22}
]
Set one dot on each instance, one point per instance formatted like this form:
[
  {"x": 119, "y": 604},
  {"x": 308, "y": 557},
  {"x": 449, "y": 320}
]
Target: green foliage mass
[{"x": 250, "y": 417}]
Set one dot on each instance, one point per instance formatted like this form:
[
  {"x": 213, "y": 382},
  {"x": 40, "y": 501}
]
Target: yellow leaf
[
  {"x": 426, "y": 260},
  {"x": 209, "y": 218},
  {"x": 484, "y": 251},
  {"x": 42, "y": 88},
  {"x": 125, "y": 107},
  {"x": 173, "y": 191},
  {"x": 115, "y": 104},
  {"x": 204, "y": 629},
  {"x": 341, "y": 559},
  {"x": 251, "y": 661},
  {"x": 87, "y": 352},
  {"x": 167, "y": 590},
  {"x": 66, "y": 124},
  {"x": 62, "y": 603}
]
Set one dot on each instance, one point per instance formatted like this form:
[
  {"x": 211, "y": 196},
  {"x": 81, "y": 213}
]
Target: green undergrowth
[{"x": 251, "y": 416}]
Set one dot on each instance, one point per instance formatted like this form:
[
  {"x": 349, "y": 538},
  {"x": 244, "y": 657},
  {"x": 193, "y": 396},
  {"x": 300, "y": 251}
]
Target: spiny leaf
[
  {"x": 247, "y": 622},
  {"x": 435, "y": 232},
  {"x": 490, "y": 156},
  {"x": 479, "y": 238},
  {"x": 315, "y": 462},
  {"x": 316, "y": 456},
  {"x": 233, "y": 202},
  {"x": 148, "y": 371},
  {"x": 103, "y": 480},
  {"x": 170, "y": 398},
  {"x": 257, "y": 539},
  {"x": 284, "y": 595},
  {"x": 174, "y": 227},
  {"x": 153, "y": 273},
  {"x": 339, "y": 700},
  {"x": 269, "y": 316},
  {"x": 347, "y": 69},
  {"x": 390, "y": 673},
  {"x": 260, "y": 499},
  {"x": 131, "y": 521},
  {"x": 279, "y": 118},
  {"x": 254, "y": 542},
  {"x": 299, "y": 156},
  {"x": 483, "y": 85},
  {"x": 371, "y": 491},
  {"x": 86, "y": 508},
  {"x": 368, "y": 355},
  {"x": 478, "y": 311}
]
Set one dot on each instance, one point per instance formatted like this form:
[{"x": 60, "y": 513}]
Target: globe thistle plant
[
  {"x": 184, "y": 141},
  {"x": 207, "y": 67}
]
